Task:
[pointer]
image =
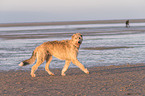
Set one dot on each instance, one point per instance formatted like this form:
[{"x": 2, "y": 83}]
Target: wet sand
[
  {"x": 120, "y": 80},
  {"x": 67, "y": 34},
  {"x": 104, "y": 48},
  {"x": 72, "y": 22}
]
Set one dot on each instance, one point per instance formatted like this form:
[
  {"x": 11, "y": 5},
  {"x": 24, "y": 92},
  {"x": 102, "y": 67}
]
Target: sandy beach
[
  {"x": 71, "y": 22},
  {"x": 121, "y": 80}
]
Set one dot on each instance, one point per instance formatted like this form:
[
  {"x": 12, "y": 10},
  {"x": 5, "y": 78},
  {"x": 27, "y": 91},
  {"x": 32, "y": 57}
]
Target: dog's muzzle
[{"x": 80, "y": 42}]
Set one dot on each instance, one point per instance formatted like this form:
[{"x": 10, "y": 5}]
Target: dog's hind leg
[
  {"x": 48, "y": 60},
  {"x": 67, "y": 63},
  {"x": 40, "y": 60}
]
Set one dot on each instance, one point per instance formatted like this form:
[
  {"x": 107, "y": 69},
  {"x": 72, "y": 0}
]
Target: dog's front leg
[
  {"x": 81, "y": 66},
  {"x": 67, "y": 63}
]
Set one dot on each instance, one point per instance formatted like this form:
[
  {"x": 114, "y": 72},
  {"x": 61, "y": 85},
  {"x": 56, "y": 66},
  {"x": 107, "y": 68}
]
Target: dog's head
[{"x": 77, "y": 39}]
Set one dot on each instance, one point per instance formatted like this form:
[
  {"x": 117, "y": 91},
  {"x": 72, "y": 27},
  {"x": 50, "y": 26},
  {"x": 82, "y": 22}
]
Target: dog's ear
[{"x": 73, "y": 36}]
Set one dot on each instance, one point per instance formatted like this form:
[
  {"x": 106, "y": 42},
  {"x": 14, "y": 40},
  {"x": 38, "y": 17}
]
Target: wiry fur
[
  {"x": 64, "y": 50},
  {"x": 29, "y": 61}
]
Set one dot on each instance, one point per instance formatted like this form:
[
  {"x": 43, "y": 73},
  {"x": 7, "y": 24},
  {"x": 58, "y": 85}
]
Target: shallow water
[{"x": 130, "y": 45}]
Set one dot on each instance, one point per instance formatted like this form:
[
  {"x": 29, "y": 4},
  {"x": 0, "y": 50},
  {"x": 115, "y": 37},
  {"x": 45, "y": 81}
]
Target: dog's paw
[
  {"x": 52, "y": 74},
  {"x": 86, "y": 71},
  {"x": 33, "y": 75},
  {"x": 63, "y": 74}
]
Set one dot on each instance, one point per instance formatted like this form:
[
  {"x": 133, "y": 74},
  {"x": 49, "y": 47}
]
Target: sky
[{"x": 20, "y": 11}]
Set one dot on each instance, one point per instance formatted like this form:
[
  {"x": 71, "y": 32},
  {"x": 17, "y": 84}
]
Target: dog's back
[{"x": 59, "y": 49}]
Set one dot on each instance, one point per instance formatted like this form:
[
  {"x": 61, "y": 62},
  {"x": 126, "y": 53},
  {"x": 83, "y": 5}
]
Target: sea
[{"x": 103, "y": 44}]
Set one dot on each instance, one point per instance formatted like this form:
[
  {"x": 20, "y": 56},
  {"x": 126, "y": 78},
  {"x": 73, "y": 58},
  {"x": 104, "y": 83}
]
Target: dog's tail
[{"x": 29, "y": 61}]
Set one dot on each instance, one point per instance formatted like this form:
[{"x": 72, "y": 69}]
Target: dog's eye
[
  {"x": 81, "y": 35},
  {"x": 79, "y": 38}
]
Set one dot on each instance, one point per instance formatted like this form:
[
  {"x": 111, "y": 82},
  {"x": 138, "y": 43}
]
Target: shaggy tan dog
[{"x": 64, "y": 50}]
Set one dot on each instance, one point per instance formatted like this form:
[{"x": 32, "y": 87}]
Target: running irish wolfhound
[{"x": 64, "y": 50}]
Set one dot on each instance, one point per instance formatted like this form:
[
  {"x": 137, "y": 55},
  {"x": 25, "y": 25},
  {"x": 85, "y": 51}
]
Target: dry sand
[{"x": 121, "y": 80}]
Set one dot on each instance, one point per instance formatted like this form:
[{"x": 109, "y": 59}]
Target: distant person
[{"x": 127, "y": 24}]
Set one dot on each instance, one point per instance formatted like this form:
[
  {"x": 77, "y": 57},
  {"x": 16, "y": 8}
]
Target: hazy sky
[{"x": 69, "y": 10}]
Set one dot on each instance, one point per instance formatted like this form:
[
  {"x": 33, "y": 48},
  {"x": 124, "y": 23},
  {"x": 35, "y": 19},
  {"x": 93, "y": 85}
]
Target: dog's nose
[{"x": 80, "y": 41}]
